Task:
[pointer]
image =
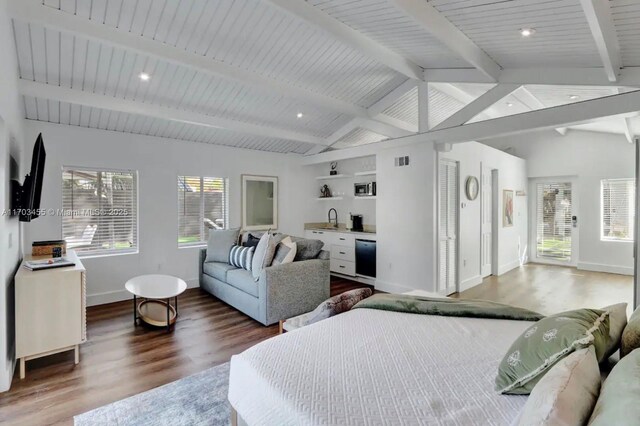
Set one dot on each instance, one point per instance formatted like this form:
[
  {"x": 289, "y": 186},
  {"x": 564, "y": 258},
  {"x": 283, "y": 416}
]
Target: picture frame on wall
[
  {"x": 259, "y": 202},
  {"x": 507, "y": 208}
]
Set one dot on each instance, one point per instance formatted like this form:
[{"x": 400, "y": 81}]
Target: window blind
[
  {"x": 100, "y": 211},
  {"x": 553, "y": 220},
  {"x": 618, "y": 209},
  {"x": 202, "y": 205}
]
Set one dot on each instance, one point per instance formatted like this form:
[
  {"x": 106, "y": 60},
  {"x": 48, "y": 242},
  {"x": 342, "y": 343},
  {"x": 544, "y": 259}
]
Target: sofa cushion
[
  {"x": 285, "y": 252},
  {"x": 220, "y": 243},
  {"x": 264, "y": 252},
  {"x": 217, "y": 270},
  {"x": 306, "y": 249},
  {"x": 631, "y": 334},
  {"x": 243, "y": 281}
]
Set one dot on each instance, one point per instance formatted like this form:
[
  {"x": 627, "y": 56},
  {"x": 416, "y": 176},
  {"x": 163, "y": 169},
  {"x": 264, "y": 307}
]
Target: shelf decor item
[
  {"x": 47, "y": 248},
  {"x": 333, "y": 171},
  {"x": 471, "y": 188},
  {"x": 325, "y": 192}
]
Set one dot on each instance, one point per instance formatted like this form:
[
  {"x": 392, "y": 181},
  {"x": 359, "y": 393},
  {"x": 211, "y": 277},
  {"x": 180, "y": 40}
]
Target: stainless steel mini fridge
[{"x": 366, "y": 258}]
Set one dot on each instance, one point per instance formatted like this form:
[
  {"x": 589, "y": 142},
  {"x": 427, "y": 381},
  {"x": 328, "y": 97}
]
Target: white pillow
[
  {"x": 566, "y": 395},
  {"x": 285, "y": 252}
]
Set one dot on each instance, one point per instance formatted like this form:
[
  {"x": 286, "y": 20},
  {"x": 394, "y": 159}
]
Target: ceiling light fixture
[
  {"x": 144, "y": 76},
  {"x": 509, "y": 104},
  {"x": 574, "y": 97},
  {"x": 299, "y": 115},
  {"x": 527, "y": 32}
]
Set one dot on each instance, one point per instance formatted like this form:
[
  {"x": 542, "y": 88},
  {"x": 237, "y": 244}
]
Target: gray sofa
[{"x": 282, "y": 291}]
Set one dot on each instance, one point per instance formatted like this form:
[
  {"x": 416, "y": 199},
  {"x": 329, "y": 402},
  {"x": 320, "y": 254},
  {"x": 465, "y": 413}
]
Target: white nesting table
[{"x": 157, "y": 290}]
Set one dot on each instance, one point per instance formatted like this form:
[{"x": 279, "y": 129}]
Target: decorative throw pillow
[
  {"x": 285, "y": 252},
  {"x": 617, "y": 323},
  {"x": 618, "y": 401},
  {"x": 631, "y": 334},
  {"x": 241, "y": 257},
  {"x": 220, "y": 243},
  {"x": 566, "y": 394},
  {"x": 307, "y": 249},
  {"x": 547, "y": 342},
  {"x": 338, "y": 304},
  {"x": 264, "y": 252},
  {"x": 252, "y": 241}
]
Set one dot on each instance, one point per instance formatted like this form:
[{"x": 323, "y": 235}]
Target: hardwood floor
[
  {"x": 551, "y": 289},
  {"x": 120, "y": 360}
]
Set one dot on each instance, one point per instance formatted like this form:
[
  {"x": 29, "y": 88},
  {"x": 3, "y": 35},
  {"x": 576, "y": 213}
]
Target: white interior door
[
  {"x": 448, "y": 196},
  {"x": 555, "y": 234},
  {"x": 486, "y": 238}
]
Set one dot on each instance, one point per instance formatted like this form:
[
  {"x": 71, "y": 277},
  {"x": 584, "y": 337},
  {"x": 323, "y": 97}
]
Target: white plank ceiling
[{"x": 266, "y": 41}]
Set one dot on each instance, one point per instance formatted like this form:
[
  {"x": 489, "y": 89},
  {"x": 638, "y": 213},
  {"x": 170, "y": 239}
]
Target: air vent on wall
[{"x": 402, "y": 161}]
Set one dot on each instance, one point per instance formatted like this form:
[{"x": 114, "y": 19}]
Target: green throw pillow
[
  {"x": 547, "y": 342},
  {"x": 618, "y": 401}
]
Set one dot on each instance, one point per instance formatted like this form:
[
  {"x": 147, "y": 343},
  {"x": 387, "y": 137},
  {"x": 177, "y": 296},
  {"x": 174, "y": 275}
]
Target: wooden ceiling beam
[
  {"x": 449, "y": 35},
  {"x": 598, "y": 14},
  {"x": 79, "y": 97}
]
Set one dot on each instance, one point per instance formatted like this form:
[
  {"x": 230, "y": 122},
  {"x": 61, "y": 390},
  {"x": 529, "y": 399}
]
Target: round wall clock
[{"x": 472, "y": 187}]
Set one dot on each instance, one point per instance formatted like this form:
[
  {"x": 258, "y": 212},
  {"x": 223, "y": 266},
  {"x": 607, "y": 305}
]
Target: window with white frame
[
  {"x": 100, "y": 211},
  {"x": 202, "y": 206},
  {"x": 618, "y": 209}
]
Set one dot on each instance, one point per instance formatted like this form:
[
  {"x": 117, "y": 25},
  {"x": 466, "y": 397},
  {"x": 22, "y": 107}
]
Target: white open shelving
[
  {"x": 365, "y": 197},
  {"x": 329, "y": 198},
  {"x": 366, "y": 173},
  {"x": 340, "y": 176}
]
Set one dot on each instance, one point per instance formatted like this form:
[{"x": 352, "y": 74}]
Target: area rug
[{"x": 200, "y": 399}]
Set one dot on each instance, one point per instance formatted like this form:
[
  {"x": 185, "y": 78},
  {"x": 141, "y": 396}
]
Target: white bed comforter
[{"x": 372, "y": 367}]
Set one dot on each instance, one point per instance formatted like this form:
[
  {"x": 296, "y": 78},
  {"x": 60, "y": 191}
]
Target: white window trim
[
  {"x": 111, "y": 252},
  {"x": 203, "y": 244},
  {"x": 604, "y": 238}
]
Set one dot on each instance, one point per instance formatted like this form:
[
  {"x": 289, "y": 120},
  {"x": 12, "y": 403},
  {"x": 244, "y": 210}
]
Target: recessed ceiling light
[
  {"x": 574, "y": 97},
  {"x": 299, "y": 115},
  {"x": 509, "y": 104},
  {"x": 527, "y": 32},
  {"x": 144, "y": 76}
]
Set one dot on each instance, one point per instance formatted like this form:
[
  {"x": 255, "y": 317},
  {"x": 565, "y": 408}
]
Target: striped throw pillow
[{"x": 241, "y": 257}]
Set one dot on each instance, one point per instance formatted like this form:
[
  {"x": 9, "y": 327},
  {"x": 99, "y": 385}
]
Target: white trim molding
[{"x": 610, "y": 269}]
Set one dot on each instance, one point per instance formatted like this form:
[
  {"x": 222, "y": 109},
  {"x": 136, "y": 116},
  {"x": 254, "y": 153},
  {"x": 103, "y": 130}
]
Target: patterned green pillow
[{"x": 547, "y": 342}]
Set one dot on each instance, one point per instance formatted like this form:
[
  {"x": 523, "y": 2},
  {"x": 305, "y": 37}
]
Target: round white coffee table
[{"x": 157, "y": 290}]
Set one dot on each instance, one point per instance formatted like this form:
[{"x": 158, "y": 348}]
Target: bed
[{"x": 375, "y": 367}]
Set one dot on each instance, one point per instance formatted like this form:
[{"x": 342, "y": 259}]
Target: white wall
[
  {"x": 512, "y": 175},
  {"x": 405, "y": 224},
  {"x": 11, "y": 122},
  {"x": 319, "y": 209},
  {"x": 158, "y": 162},
  {"x": 588, "y": 157}
]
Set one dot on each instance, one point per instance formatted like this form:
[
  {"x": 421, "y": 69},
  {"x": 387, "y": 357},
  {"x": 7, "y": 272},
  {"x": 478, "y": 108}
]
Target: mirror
[{"x": 259, "y": 202}]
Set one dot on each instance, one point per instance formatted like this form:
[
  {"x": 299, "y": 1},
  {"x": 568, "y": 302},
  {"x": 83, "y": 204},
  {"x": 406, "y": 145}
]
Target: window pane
[
  {"x": 202, "y": 205},
  {"x": 553, "y": 225},
  {"x": 100, "y": 211},
  {"x": 618, "y": 209}
]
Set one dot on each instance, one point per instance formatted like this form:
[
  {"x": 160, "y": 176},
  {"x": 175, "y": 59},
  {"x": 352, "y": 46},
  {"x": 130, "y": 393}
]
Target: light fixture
[
  {"x": 574, "y": 97},
  {"x": 144, "y": 76},
  {"x": 299, "y": 115},
  {"x": 527, "y": 32},
  {"x": 509, "y": 104}
]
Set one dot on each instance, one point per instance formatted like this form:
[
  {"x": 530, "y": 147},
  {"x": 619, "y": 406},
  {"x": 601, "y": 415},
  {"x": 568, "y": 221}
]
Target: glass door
[{"x": 554, "y": 225}]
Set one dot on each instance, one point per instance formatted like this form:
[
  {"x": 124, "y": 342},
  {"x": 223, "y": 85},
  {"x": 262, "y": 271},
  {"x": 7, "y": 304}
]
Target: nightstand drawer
[
  {"x": 343, "y": 267},
  {"x": 343, "y": 253}
]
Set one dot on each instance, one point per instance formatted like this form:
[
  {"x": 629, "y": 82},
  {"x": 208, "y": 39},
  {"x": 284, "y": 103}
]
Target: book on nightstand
[{"x": 37, "y": 265}]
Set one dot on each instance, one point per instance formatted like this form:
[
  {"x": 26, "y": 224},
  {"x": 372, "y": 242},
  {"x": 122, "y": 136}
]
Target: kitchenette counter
[{"x": 368, "y": 230}]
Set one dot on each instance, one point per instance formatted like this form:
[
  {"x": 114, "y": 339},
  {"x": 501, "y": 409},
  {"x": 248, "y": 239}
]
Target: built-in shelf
[
  {"x": 328, "y": 198},
  {"x": 341, "y": 176},
  {"x": 365, "y": 197},
  {"x": 367, "y": 173}
]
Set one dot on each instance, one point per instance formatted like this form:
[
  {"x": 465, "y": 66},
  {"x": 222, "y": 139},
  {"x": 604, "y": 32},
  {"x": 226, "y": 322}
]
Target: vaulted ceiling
[{"x": 294, "y": 76}]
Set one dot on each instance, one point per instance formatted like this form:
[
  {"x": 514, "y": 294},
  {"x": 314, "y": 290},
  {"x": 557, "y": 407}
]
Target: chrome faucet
[{"x": 336, "y": 219}]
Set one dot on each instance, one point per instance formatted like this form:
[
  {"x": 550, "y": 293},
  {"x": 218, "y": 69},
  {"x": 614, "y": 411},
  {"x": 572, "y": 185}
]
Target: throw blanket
[{"x": 447, "y": 307}]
